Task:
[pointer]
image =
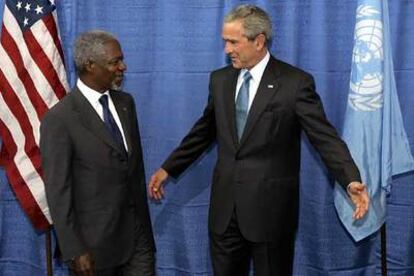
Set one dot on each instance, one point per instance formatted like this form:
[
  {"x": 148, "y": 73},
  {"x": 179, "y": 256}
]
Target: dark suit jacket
[
  {"x": 94, "y": 190},
  {"x": 258, "y": 176}
]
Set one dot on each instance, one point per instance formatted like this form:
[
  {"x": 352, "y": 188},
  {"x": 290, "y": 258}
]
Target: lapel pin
[{"x": 270, "y": 86}]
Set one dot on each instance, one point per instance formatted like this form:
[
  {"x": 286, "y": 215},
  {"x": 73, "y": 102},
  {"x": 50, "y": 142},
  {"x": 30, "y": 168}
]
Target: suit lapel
[
  {"x": 91, "y": 120},
  {"x": 229, "y": 93},
  {"x": 267, "y": 88},
  {"x": 122, "y": 109}
]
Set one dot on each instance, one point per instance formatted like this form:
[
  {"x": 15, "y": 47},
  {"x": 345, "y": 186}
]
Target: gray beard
[{"x": 116, "y": 87}]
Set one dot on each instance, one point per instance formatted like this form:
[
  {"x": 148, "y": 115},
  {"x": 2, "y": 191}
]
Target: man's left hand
[{"x": 359, "y": 196}]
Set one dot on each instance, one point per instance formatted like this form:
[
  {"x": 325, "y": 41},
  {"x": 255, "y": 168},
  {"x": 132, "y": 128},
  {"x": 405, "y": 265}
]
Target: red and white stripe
[{"x": 32, "y": 80}]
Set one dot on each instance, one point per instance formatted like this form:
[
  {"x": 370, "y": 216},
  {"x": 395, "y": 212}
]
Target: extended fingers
[
  {"x": 361, "y": 201},
  {"x": 155, "y": 187}
]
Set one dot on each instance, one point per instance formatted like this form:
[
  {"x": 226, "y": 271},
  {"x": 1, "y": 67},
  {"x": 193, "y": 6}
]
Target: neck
[
  {"x": 90, "y": 83},
  {"x": 258, "y": 58}
]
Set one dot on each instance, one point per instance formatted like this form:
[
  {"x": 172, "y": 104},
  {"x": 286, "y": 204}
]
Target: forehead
[
  {"x": 112, "y": 49},
  {"x": 233, "y": 28}
]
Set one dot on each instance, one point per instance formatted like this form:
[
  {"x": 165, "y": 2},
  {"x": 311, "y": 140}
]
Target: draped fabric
[
  {"x": 170, "y": 47},
  {"x": 373, "y": 126},
  {"x": 32, "y": 79}
]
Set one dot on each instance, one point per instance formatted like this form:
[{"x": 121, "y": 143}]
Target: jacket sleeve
[
  {"x": 322, "y": 134},
  {"x": 198, "y": 139},
  {"x": 140, "y": 181},
  {"x": 56, "y": 152}
]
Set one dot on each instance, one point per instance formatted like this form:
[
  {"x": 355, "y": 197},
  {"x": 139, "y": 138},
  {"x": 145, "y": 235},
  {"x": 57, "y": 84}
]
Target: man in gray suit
[
  {"x": 93, "y": 168},
  {"x": 256, "y": 111}
]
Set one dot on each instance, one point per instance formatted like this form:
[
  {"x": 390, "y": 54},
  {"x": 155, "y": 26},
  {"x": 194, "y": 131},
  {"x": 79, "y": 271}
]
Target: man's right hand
[
  {"x": 83, "y": 265},
  {"x": 156, "y": 185}
]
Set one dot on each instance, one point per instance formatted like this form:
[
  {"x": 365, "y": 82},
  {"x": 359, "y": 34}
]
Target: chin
[
  {"x": 236, "y": 65},
  {"x": 116, "y": 86}
]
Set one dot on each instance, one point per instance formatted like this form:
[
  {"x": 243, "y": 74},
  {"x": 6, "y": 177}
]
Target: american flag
[{"x": 32, "y": 80}]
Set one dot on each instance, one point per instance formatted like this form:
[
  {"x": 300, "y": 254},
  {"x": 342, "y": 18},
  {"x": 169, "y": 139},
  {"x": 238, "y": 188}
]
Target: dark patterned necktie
[{"x": 110, "y": 122}]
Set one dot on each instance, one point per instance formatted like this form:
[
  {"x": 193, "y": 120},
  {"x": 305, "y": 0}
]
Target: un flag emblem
[{"x": 367, "y": 61}]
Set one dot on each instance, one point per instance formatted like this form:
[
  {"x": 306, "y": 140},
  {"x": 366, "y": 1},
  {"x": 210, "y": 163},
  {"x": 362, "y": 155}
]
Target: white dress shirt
[
  {"x": 257, "y": 73},
  {"x": 93, "y": 98}
]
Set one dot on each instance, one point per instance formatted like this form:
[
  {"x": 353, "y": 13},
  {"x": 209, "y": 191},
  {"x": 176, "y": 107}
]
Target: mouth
[
  {"x": 119, "y": 78},
  {"x": 232, "y": 59}
]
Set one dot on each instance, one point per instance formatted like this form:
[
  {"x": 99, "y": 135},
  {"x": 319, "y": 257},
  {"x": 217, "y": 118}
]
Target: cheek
[
  {"x": 242, "y": 54},
  {"x": 247, "y": 53},
  {"x": 235, "y": 51},
  {"x": 111, "y": 73}
]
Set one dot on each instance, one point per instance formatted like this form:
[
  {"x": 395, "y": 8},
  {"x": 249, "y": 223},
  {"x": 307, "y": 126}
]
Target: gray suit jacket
[
  {"x": 95, "y": 192},
  {"x": 259, "y": 176}
]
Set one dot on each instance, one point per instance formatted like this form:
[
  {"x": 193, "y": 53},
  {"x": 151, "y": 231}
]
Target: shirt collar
[
  {"x": 91, "y": 95},
  {"x": 257, "y": 70}
]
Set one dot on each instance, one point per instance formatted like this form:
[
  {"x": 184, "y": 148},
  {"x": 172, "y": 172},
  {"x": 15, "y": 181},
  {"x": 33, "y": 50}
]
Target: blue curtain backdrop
[{"x": 170, "y": 47}]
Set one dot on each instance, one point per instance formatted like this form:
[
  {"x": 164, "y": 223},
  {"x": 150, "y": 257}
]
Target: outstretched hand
[
  {"x": 156, "y": 184},
  {"x": 359, "y": 196}
]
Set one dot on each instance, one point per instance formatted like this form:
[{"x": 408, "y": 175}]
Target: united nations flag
[{"x": 373, "y": 127}]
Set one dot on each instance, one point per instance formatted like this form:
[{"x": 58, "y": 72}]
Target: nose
[
  {"x": 122, "y": 66},
  {"x": 227, "y": 48}
]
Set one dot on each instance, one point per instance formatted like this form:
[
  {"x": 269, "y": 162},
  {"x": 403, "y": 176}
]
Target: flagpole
[
  {"x": 383, "y": 250},
  {"x": 48, "y": 241}
]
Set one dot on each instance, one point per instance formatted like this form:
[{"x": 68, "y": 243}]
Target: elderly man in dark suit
[
  {"x": 256, "y": 111},
  {"x": 93, "y": 168}
]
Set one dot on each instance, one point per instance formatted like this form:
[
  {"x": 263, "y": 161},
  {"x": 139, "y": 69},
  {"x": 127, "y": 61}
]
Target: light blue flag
[{"x": 373, "y": 127}]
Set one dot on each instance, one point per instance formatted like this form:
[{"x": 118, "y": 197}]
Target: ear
[
  {"x": 90, "y": 66},
  {"x": 260, "y": 41}
]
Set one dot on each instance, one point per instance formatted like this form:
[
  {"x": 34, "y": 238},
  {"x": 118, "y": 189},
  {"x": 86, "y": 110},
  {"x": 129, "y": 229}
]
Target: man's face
[
  {"x": 243, "y": 53},
  {"x": 109, "y": 71}
]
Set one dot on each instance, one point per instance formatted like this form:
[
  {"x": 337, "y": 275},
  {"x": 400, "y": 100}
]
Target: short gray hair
[
  {"x": 255, "y": 21},
  {"x": 89, "y": 46}
]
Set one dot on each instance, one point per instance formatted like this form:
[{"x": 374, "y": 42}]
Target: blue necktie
[
  {"x": 242, "y": 104},
  {"x": 110, "y": 122}
]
